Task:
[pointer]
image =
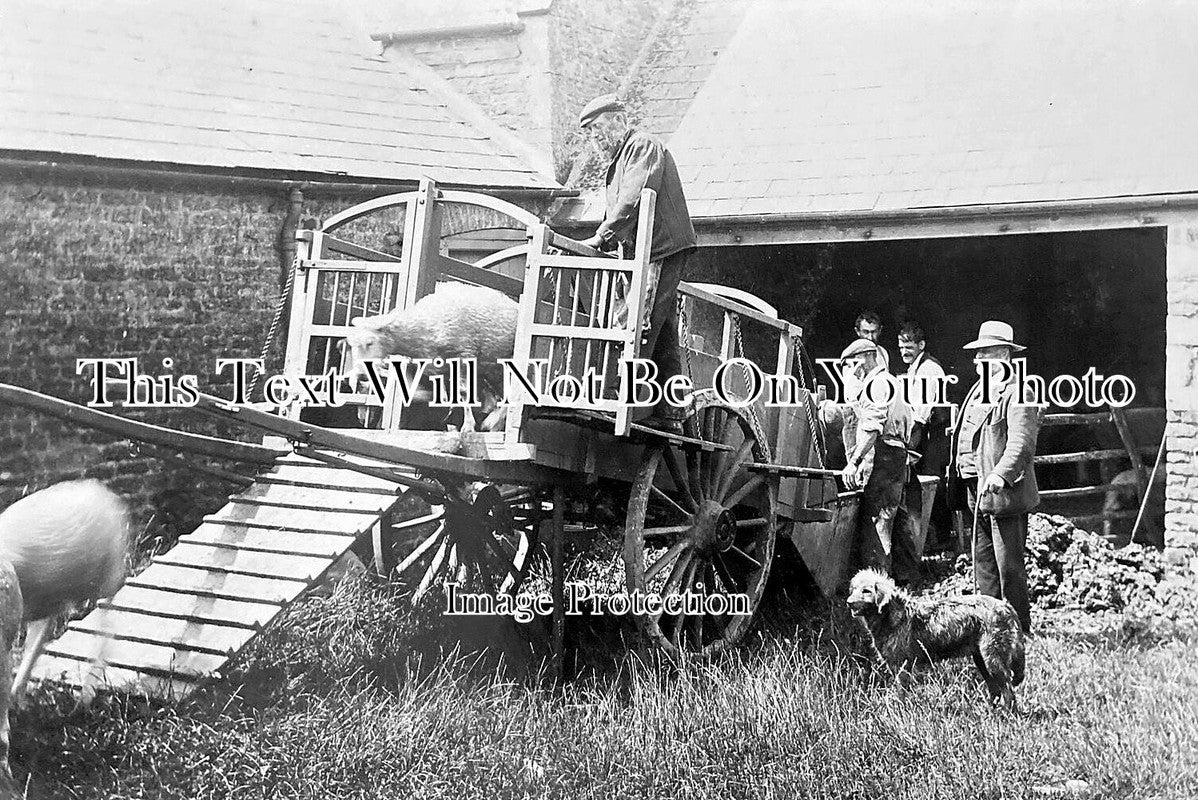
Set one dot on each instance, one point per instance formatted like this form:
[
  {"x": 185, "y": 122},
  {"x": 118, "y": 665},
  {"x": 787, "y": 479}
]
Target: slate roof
[
  {"x": 827, "y": 106},
  {"x": 290, "y": 86}
]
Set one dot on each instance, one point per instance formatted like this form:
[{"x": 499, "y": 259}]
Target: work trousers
[
  {"x": 934, "y": 459},
  {"x": 886, "y": 540},
  {"x": 659, "y": 336},
  {"x": 998, "y": 565}
]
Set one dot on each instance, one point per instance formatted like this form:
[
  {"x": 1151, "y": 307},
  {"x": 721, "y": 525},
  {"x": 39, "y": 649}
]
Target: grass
[{"x": 356, "y": 696}]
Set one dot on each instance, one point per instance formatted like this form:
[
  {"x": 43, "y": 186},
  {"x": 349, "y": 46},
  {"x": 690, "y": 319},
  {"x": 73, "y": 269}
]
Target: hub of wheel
[{"x": 714, "y": 529}]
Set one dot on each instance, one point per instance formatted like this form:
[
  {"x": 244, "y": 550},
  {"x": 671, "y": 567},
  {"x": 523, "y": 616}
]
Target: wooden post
[
  {"x": 422, "y": 243},
  {"x": 636, "y": 295},
  {"x": 538, "y": 237},
  {"x": 557, "y": 554},
  {"x": 1133, "y": 452}
]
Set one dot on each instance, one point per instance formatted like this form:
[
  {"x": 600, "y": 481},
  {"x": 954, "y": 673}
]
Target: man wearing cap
[
  {"x": 993, "y": 448},
  {"x": 883, "y": 430},
  {"x": 639, "y": 161}
]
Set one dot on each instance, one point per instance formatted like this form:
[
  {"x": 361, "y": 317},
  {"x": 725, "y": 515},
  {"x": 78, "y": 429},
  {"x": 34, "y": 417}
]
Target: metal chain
[
  {"x": 684, "y": 321},
  {"x": 751, "y": 408},
  {"x": 817, "y": 442}
]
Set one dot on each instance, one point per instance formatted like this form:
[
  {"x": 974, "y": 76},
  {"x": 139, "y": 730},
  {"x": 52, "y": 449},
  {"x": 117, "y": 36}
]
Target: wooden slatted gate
[
  {"x": 1068, "y": 501},
  {"x": 181, "y": 620}
]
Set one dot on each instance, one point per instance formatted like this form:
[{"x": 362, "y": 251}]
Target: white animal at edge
[{"x": 60, "y": 547}]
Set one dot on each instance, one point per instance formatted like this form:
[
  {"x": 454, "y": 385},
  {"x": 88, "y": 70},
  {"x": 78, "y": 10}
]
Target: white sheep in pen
[
  {"x": 63, "y": 546},
  {"x": 456, "y": 320}
]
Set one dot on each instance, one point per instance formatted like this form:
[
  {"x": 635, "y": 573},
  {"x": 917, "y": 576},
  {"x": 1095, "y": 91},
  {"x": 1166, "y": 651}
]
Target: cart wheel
[
  {"x": 700, "y": 524},
  {"x": 483, "y": 539}
]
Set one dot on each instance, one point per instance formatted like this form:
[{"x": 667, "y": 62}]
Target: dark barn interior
[
  {"x": 1094, "y": 298},
  {"x": 1076, "y": 300}
]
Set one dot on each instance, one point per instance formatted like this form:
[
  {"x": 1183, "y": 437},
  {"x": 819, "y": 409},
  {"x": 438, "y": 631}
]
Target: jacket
[
  {"x": 1005, "y": 444},
  {"x": 642, "y": 162}
]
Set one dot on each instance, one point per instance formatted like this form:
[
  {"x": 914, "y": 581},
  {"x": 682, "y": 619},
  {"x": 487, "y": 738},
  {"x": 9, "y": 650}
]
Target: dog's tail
[{"x": 1018, "y": 663}]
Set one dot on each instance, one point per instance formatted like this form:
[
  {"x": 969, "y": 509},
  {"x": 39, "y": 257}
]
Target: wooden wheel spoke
[
  {"x": 692, "y": 469},
  {"x": 671, "y": 502},
  {"x": 665, "y": 531},
  {"x": 708, "y": 427},
  {"x": 506, "y": 561},
  {"x": 666, "y": 558},
  {"x": 748, "y": 487},
  {"x": 732, "y": 470},
  {"x": 677, "y": 573},
  {"x": 726, "y": 576},
  {"x": 688, "y": 578},
  {"x": 433, "y": 567},
  {"x": 734, "y": 549},
  {"x": 421, "y": 549},
  {"x": 487, "y": 578},
  {"x": 722, "y": 434},
  {"x": 670, "y": 456},
  {"x": 437, "y": 514}
]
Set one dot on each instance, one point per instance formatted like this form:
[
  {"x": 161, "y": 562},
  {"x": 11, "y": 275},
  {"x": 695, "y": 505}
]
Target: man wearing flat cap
[
  {"x": 639, "y": 161},
  {"x": 883, "y": 429},
  {"x": 993, "y": 450}
]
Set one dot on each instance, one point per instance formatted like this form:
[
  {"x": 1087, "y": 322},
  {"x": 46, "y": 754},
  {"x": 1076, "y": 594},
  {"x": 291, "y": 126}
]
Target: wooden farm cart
[{"x": 701, "y": 510}]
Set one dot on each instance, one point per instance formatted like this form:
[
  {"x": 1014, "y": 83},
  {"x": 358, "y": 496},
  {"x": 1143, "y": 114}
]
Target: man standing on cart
[{"x": 640, "y": 161}]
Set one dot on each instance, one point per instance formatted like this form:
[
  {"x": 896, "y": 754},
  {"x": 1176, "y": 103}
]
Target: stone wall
[
  {"x": 1181, "y": 385},
  {"x": 145, "y": 270}
]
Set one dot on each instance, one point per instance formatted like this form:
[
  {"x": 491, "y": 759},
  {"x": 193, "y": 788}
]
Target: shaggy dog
[
  {"x": 910, "y": 630},
  {"x": 61, "y": 547}
]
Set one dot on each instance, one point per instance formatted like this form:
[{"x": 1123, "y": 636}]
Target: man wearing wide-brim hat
[
  {"x": 993, "y": 452},
  {"x": 639, "y": 161}
]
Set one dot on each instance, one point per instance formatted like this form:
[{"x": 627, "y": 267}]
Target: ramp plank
[
  {"x": 218, "y": 584},
  {"x": 292, "y": 477},
  {"x": 205, "y": 555},
  {"x": 72, "y": 672},
  {"x": 194, "y": 607},
  {"x": 355, "y": 522},
  {"x": 246, "y": 562},
  {"x": 137, "y": 655},
  {"x": 325, "y": 498},
  {"x": 304, "y": 544},
  {"x": 147, "y": 627}
]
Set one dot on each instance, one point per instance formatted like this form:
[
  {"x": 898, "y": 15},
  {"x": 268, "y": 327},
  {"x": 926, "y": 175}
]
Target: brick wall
[
  {"x": 1181, "y": 386},
  {"x": 88, "y": 270},
  {"x": 145, "y": 270}
]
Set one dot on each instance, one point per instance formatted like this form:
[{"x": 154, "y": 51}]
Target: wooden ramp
[{"x": 179, "y": 622}]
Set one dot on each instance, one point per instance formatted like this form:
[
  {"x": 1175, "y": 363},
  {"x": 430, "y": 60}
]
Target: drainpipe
[{"x": 285, "y": 245}]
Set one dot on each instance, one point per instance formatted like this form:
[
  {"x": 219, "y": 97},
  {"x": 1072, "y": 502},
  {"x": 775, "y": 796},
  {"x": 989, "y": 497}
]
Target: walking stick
[{"x": 973, "y": 548}]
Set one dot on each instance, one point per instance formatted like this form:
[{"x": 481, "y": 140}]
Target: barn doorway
[{"x": 1076, "y": 299}]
